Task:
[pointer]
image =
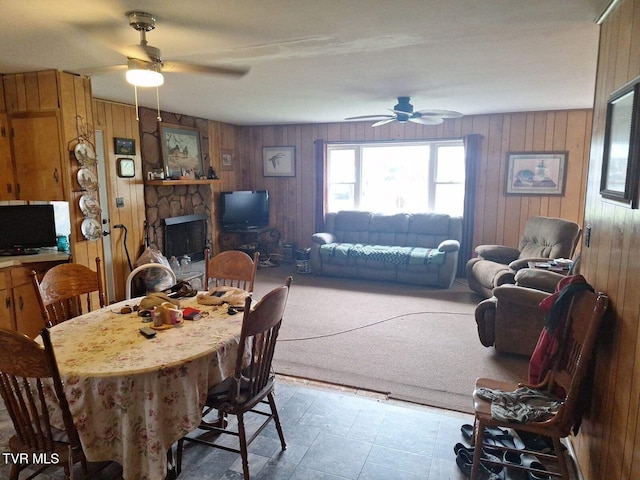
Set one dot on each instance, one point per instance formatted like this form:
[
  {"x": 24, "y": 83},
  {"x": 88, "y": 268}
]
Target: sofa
[{"x": 419, "y": 249}]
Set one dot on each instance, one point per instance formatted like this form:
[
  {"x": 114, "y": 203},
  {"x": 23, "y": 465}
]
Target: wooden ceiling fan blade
[
  {"x": 382, "y": 122},
  {"x": 183, "y": 67},
  {"x": 371, "y": 117},
  {"x": 427, "y": 120}
]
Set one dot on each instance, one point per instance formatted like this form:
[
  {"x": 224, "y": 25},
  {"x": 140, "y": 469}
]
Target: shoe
[
  {"x": 512, "y": 457},
  {"x": 536, "y": 475},
  {"x": 487, "y": 471},
  {"x": 464, "y": 460},
  {"x": 458, "y": 447},
  {"x": 496, "y": 437}
]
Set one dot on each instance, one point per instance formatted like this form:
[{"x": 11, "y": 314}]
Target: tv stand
[{"x": 249, "y": 240}]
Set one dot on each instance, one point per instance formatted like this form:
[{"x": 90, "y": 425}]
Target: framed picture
[
  {"x": 619, "y": 180},
  {"x": 226, "y": 159},
  {"x": 536, "y": 173},
  {"x": 181, "y": 151},
  {"x": 124, "y": 146},
  {"x": 279, "y": 161}
]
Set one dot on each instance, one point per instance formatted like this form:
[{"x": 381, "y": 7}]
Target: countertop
[{"x": 42, "y": 256}]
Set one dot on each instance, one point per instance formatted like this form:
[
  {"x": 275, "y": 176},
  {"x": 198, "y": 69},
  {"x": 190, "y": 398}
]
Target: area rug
[{"x": 409, "y": 342}]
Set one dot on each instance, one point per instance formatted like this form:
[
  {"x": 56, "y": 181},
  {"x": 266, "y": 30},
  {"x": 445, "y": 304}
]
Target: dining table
[{"x": 133, "y": 397}]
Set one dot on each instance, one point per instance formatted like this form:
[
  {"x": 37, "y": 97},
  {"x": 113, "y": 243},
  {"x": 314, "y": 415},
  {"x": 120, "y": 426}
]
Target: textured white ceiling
[{"x": 323, "y": 60}]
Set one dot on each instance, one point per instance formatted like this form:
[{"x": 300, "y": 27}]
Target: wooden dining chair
[
  {"x": 253, "y": 379},
  {"x": 31, "y": 388},
  {"x": 231, "y": 268},
  {"x": 578, "y": 333},
  {"x": 65, "y": 288}
]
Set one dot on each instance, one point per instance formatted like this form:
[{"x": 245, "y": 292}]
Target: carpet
[{"x": 412, "y": 343}]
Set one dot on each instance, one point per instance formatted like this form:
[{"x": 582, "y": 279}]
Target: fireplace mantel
[{"x": 204, "y": 181}]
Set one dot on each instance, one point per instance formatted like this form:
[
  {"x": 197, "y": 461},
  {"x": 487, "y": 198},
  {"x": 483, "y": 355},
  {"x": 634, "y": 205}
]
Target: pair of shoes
[
  {"x": 496, "y": 437},
  {"x": 464, "y": 460},
  {"x": 465, "y": 464}
]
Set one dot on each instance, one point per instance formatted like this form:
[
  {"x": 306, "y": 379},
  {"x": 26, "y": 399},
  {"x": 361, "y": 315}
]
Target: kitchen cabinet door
[
  {"x": 7, "y": 182},
  {"x": 37, "y": 156}
]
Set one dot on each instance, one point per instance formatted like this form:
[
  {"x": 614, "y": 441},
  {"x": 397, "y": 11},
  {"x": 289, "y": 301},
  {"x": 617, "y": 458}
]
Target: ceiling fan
[
  {"x": 403, "y": 112},
  {"x": 143, "y": 57}
]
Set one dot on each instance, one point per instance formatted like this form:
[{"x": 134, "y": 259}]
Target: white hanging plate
[
  {"x": 89, "y": 206},
  {"x": 87, "y": 179},
  {"x": 91, "y": 229},
  {"x": 84, "y": 154}
]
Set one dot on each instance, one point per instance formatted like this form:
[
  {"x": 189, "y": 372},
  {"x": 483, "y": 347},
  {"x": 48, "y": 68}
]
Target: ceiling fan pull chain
[
  {"x": 159, "y": 117},
  {"x": 135, "y": 93}
]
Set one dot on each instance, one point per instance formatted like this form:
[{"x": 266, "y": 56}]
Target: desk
[{"x": 132, "y": 398}]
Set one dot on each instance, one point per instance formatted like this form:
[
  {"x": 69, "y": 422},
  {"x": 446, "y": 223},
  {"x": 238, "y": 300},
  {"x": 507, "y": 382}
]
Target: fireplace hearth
[{"x": 185, "y": 235}]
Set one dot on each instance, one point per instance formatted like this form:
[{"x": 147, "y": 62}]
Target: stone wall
[{"x": 167, "y": 201}]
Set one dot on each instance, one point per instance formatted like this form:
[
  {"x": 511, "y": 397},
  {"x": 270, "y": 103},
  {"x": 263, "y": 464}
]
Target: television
[
  {"x": 26, "y": 227},
  {"x": 244, "y": 210}
]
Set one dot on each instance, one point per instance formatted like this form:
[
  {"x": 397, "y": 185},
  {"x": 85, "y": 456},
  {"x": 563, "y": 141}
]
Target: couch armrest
[
  {"x": 498, "y": 253},
  {"x": 539, "y": 279},
  {"x": 449, "y": 246},
  {"x": 323, "y": 238},
  {"x": 517, "y": 295},
  {"x": 524, "y": 262},
  {"x": 485, "y": 320}
]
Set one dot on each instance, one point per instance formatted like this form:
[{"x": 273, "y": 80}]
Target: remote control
[{"x": 148, "y": 332}]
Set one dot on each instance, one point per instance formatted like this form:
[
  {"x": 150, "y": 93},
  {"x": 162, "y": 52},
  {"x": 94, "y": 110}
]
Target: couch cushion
[{"x": 382, "y": 253}]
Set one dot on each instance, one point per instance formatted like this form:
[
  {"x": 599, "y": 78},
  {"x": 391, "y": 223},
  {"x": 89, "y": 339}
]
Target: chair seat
[{"x": 481, "y": 405}]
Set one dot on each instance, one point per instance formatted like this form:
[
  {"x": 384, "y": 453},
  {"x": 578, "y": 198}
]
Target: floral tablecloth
[{"x": 132, "y": 397}]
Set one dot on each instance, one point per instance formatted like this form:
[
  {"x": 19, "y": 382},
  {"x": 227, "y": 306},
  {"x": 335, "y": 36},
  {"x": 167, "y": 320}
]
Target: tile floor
[
  {"x": 332, "y": 434},
  {"x": 335, "y": 434}
]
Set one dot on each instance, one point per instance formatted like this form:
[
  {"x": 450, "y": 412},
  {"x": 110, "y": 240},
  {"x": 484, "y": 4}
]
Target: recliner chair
[{"x": 544, "y": 238}]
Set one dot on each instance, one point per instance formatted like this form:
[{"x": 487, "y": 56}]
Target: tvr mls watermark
[{"x": 41, "y": 458}]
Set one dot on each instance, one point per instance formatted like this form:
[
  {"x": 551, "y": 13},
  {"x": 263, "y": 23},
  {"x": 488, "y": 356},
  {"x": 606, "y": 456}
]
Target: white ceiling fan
[
  {"x": 145, "y": 64},
  {"x": 403, "y": 112}
]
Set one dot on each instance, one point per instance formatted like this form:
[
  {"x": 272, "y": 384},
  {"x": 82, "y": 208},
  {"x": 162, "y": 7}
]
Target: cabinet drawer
[{"x": 20, "y": 276}]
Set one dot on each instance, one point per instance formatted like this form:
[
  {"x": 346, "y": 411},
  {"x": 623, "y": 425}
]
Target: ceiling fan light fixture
[{"x": 144, "y": 74}]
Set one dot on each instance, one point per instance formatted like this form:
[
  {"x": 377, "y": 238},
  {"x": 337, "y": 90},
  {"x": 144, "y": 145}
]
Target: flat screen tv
[
  {"x": 26, "y": 227},
  {"x": 244, "y": 210}
]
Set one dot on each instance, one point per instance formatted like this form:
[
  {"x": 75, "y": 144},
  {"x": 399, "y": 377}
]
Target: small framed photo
[
  {"x": 124, "y": 146},
  {"x": 536, "y": 173},
  {"x": 226, "y": 159},
  {"x": 181, "y": 151},
  {"x": 126, "y": 168},
  {"x": 279, "y": 161},
  {"x": 621, "y": 162}
]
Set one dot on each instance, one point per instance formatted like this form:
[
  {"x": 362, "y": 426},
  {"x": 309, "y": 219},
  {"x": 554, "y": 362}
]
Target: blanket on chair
[{"x": 384, "y": 253}]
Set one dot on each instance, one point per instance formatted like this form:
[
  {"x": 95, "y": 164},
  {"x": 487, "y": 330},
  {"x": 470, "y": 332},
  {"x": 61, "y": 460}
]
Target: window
[{"x": 407, "y": 177}]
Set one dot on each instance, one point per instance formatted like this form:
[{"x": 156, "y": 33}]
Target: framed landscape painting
[
  {"x": 181, "y": 151},
  {"x": 536, "y": 173}
]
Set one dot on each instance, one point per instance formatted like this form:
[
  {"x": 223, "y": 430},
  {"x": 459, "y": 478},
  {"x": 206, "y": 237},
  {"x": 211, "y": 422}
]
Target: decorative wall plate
[
  {"x": 91, "y": 229},
  {"x": 87, "y": 179},
  {"x": 84, "y": 154},
  {"x": 89, "y": 206}
]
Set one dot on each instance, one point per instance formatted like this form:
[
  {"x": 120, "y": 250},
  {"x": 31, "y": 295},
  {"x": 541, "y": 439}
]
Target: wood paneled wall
[
  {"x": 71, "y": 96},
  {"x": 499, "y": 219},
  {"x": 609, "y": 442},
  {"x": 118, "y": 120}
]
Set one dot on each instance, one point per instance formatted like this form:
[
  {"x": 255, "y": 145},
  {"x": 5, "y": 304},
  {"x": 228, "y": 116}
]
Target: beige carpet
[{"x": 413, "y": 343}]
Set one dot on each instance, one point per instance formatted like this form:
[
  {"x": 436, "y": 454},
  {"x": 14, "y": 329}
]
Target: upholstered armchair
[
  {"x": 511, "y": 320},
  {"x": 544, "y": 238}
]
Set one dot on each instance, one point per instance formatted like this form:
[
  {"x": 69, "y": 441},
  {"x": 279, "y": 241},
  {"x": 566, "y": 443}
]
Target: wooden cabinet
[
  {"x": 6, "y": 303},
  {"x": 19, "y": 309},
  {"x": 7, "y": 183},
  {"x": 37, "y": 156}
]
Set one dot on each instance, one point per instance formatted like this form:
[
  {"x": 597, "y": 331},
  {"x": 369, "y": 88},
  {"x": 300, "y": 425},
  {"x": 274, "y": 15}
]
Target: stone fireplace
[{"x": 185, "y": 235}]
